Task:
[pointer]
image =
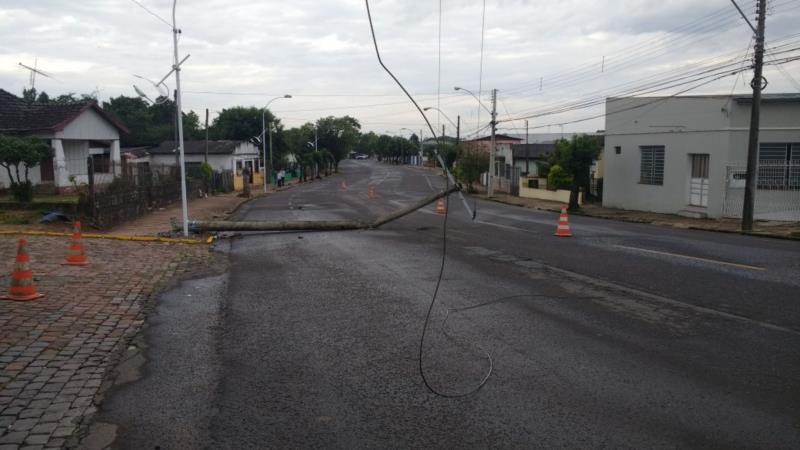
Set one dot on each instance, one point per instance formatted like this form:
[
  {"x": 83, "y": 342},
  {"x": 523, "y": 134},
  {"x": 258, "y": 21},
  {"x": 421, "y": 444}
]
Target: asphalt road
[{"x": 624, "y": 335}]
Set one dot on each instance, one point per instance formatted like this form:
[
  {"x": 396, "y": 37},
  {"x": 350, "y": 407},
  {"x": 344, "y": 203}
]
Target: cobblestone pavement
[{"x": 56, "y": 352}]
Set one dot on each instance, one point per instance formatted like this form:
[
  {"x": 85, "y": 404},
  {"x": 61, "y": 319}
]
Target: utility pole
[
  {"x": 526, "y": 132},
  {"x": 458, "y": 129},
  {"x": 206, "y": 158},
  {"x": 421, "y": 152},
  {"x": 757, "y": 84},
  {"x": 490, "y": 187},
  {"x": 177, "y": 68},
  {"x": 175, "y": 134}
]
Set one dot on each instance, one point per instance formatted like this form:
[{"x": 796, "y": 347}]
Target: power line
[
  {"x": 152, "y": 13},
  {"x": 480, "y": 70},
  {"x": 707, "y": 23},
  {"x": 633, "y": 89}
]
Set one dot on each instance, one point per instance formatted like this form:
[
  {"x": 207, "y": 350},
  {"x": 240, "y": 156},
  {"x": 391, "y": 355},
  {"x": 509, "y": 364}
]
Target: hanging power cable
[{"x": 449, "y": 180}]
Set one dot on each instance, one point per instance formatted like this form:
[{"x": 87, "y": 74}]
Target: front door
[
  {"x": 698, "y": 184},
  {"x": 46, "y": 170}
]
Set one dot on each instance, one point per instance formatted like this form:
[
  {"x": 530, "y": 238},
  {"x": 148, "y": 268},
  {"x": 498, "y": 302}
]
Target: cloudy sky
[{"x": 540, "y": 54}]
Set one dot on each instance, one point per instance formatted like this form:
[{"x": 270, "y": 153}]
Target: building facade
[
  {"x": 77, "y": 132},
  {"x": 687, "y": 155}
]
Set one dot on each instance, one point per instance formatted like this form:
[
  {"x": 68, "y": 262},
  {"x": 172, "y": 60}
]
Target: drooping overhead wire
[
  {"x": 149, "y": 11},
  {"x": 440, "y": 276},
  {"x": 480, "y": 70}
]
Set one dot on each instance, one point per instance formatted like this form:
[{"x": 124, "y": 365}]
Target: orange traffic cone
[
  {"x": 344, "y": 185},
  {"x": 75, "y": 255},
  {"x": 563, "y": 224},
  {"x": 22, "y": 288},
  {"x": 440, "y": 209},
  {"x": 371, "y": 193}
]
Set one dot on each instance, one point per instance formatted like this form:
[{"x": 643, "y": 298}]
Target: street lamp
[
  {"x": 493, "y": 123},
  {"x": 268, "y": 175},
  {"x": 457, "y": 126}
]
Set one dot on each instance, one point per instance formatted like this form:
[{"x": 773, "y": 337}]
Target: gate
[{"x": 777, "y": 191}]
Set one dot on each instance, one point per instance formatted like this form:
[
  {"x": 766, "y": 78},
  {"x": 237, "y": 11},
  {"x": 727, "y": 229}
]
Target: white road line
[
  {"x": 429, "y": 182},
  {"x": 694, "y": 258}
]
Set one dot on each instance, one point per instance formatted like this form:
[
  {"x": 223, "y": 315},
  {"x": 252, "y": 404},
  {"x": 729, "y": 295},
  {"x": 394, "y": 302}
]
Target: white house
[
  {"x": 687, "y": 155},
  {"x": 74, "y": 131},
  {"x": 222, "y": 155}
]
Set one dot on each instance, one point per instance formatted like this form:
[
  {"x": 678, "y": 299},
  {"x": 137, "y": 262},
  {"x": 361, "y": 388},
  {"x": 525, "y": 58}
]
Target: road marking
[
  {"x": 695, "y": 258},
  {"x": 429, "y": 182}
]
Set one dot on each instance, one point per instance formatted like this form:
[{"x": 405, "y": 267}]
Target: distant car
[{"x": 362, "y": 156}]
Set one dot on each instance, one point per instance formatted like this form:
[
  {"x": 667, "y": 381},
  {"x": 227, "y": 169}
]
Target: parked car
[{"x": 362, "y": 156}]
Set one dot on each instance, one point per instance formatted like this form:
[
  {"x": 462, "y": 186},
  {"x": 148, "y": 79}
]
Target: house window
[
  {"x": 101, "y": 163},
  {"x": 618, "y": 150},
  {"x": 779, "y": 166},
  {"x": 652, "y": 166}
]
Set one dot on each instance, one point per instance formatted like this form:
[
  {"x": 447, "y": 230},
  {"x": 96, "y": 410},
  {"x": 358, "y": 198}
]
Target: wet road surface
[{"x": 625, "y": 335}]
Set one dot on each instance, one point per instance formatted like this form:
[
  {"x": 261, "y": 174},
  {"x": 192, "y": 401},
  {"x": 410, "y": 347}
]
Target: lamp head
[
  {"x": 426, "y": 109},
  {"x": 287, "y": 96},
  {"x": 457, "y": 88}
]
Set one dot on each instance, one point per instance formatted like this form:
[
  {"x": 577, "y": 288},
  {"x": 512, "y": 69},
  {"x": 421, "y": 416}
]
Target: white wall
[
  {"x": 33, "y": 175},
  {"x": 217, "y": 162},
  {"x": 717, "y": 126},
  {"x": 91, "y": 126}
]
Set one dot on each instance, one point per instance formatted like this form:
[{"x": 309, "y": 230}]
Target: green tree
[
  {"x": 471, "y": 164},
  {"x": 240, "y": 123},
  {"x": 367, "y": 143},
  {"x": 151, "y": 124},
  {"x": 22, "y": 153},
  {"x": 575, "y": 157},
  {"x": 339, "y": 135}
]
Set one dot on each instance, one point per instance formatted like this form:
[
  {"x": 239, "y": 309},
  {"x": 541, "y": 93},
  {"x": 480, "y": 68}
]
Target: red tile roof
[{"x": 20, "y": 117}]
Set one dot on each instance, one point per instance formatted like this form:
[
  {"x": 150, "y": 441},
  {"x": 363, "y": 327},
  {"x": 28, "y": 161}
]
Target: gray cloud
[{"x": 264, "y": 48}]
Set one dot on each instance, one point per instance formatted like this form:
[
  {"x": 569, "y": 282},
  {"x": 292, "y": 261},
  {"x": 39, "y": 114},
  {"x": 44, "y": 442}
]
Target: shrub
[{"x": 557, "y": 178}]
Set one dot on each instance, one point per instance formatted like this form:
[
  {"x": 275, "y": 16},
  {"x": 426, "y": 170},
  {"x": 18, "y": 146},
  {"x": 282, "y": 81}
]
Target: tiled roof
[
  {"x": 532, "y": 151},
  {"x": 497, "y": 137},
  {"x": 19, "y": 116},
  {"x": 197, "y": 147}
]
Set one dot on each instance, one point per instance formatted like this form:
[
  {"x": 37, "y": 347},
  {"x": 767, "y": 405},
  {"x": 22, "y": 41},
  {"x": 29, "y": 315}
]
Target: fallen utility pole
[{"x": 312, "y": 225}]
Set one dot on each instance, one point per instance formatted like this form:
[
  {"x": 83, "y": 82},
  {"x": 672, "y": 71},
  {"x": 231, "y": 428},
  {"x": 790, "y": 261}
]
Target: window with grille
[
  {"x": 652, "y": 166},
  {"x": 779, "y": 166}
]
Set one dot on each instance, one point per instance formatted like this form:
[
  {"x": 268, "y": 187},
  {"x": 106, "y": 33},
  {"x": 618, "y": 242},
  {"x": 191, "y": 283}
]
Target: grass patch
[
  {"x": 49, "y": 199},
  {"x": 19, "y": 217}
]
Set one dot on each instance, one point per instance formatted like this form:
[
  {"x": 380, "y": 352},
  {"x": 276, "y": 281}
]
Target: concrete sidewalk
[{"x": 785, "y": 230}]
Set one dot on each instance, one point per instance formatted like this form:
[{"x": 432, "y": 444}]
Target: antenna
[
  {"x": 34, "y": 71},
  {"x": 163, "y": 91}
]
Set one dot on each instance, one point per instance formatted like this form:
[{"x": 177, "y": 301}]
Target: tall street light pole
[
  {"x": 493, "y": 123},
  {"x": 268, "y": 174},
  {"x": 181, "y": 158}
]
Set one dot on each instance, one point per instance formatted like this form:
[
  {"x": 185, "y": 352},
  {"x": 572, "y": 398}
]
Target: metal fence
[
  {"x": 506, "y": 178},
  {"x": 777, "y": 191}
]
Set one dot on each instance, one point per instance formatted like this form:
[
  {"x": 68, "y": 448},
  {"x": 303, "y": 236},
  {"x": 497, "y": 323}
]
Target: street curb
[
  {"x": 650, "y": 222},
  {"x": 112, "y": 237}
]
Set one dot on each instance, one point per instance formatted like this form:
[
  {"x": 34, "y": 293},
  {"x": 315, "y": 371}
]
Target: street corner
[{"x": 57, "y": 350}]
